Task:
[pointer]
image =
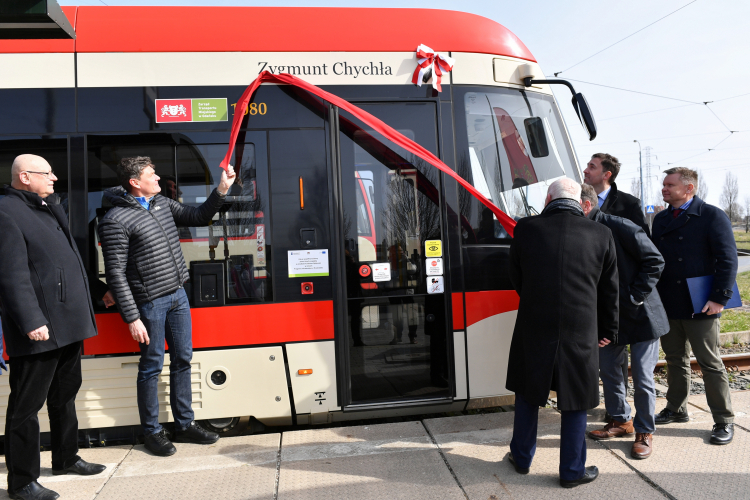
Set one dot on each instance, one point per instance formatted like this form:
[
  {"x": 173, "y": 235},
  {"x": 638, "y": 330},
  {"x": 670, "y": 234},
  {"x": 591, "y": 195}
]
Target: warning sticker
[
  {"x": 434, "y": 266},
  {"x": 381, "y": 271},
  {"x": 435, "y": 284},
  {"x": 433, "y": 248}
]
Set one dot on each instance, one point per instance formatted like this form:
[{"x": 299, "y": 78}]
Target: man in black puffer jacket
[{"x": 146, "y": 271}]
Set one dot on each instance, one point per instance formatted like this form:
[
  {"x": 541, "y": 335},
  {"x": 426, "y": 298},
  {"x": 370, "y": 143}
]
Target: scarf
[{"x": 564, "y": 204}]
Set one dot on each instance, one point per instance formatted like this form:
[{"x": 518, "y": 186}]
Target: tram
[{"x": 344, "y": 277}]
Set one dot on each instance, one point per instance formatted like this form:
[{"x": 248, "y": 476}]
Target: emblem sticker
[
  {"x": 434, "y": 266},
  {"x": 191, "y": 110}
]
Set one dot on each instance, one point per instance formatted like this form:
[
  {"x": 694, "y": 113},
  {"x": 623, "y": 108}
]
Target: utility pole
[{"x": 640, "y": 161}]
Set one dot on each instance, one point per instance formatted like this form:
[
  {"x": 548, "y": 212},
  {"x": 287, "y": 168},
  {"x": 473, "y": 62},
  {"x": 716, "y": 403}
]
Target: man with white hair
[
  {"x": 564, "y": 268},
  {"x": 47, "y": 313}
]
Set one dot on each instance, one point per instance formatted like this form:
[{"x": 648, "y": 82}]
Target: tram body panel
[
  {"x": 106, "y": 110},
  {"x": 108, "y": 394}
]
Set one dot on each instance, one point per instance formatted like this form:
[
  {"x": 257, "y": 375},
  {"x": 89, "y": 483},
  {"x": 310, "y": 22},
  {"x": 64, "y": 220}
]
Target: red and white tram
[{"x": 345, "y": 277}]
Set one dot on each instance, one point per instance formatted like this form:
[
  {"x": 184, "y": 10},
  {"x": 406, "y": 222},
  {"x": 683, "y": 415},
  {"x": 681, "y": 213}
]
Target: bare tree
[
  {"x": 747, "y": 214},
  {"x": 701, "y": 190},
  {"x": 635, "y": 187},
  {"x": 729, "y": 199}
]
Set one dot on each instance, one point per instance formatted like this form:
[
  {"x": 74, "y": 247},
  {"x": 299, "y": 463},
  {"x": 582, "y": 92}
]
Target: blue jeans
[
  {"x": 572, "y": 439},
  {"x": 166, "y": 318},
  {"x": 643, "y": 358}
]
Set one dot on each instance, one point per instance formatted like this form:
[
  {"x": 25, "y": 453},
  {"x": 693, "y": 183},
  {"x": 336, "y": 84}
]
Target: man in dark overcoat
[
  {"x": 564, "y": 268},
  {"x": 600, "y": 173},
  {"x": 696, "y": 240},
  {"x": 47, "y": 313},
  {"x": 642, "y": 322}
]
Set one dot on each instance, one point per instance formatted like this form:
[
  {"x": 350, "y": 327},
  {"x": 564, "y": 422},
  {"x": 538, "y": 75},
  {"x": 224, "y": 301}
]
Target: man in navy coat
[{"x": 696, "y": 240}]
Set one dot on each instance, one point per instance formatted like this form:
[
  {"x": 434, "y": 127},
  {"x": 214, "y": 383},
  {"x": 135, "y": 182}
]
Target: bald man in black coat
[{"x": 561, "y": 263}]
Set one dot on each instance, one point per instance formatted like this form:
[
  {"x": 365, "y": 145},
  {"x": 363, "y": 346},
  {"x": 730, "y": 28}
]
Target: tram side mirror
[
  {"x": 537, "y": 137},
  {"x": 584, "y": 115}
]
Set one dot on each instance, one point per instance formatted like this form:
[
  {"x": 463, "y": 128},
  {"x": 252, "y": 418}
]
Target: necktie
[{"x": 676, "y": 212}]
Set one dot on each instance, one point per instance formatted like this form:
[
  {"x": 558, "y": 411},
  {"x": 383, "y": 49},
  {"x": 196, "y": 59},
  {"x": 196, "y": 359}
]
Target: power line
[
  {"x": 636, "y": 91},
  {"x": 705, "y": 152},
  {"x": 717, "y": 117},
  {"x": 646, "y": 112},
  {"x": 728, "y": 98},
  {"x": 622, "y": 40},
  {"x": 587, "y": 145}
]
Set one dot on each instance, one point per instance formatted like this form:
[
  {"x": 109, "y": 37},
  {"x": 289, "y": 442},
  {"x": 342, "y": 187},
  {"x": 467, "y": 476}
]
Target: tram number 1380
[{"x": 253, "y": 108}]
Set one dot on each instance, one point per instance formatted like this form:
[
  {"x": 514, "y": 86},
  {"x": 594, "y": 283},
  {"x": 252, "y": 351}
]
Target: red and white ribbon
[
  {"x": 428, "y": 58},
  {"x": 377, "y": 125}
]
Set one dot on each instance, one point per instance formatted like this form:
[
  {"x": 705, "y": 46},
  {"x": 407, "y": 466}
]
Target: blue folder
[{"x": 700, "y": 289}]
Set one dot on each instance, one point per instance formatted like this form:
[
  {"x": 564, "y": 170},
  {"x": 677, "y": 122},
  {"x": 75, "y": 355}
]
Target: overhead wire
[{"x": 623, "y": 39}]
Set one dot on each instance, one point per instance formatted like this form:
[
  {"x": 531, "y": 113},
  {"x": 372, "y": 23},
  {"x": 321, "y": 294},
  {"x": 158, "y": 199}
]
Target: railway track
[{"x": 733, "y": 362}]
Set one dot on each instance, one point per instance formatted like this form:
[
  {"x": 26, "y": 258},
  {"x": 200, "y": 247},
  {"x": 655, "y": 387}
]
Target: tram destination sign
[{"x": 191, "y": 110}]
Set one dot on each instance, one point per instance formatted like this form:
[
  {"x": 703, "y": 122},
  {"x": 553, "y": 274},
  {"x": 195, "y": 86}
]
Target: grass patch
[
  {"x": 742, "y": 238},
  {"x": 743, "y": 283},
  {"x": 735, "y": 321}
]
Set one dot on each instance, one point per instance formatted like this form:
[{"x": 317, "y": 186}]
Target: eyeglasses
[{"x": 46, "y": 174}]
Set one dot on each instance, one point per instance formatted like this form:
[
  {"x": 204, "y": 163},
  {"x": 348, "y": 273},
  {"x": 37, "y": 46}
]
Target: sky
[{"x": 695, "y": 55}]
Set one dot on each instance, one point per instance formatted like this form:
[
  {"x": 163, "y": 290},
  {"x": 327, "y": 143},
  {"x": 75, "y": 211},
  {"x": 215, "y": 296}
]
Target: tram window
[
  {"x": 237, "y": 233},
  {"x": 55, "y": 151},
  {"x": 391, "y": 200},
  {"x": 515, "y": 148}
]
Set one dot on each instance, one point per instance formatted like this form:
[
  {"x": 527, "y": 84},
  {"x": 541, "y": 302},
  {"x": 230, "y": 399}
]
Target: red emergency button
[{"x": 364, "y": 271}]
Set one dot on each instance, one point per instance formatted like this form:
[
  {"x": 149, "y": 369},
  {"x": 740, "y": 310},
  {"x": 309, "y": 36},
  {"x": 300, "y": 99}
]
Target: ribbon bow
[{"x": 428, "y": 59}]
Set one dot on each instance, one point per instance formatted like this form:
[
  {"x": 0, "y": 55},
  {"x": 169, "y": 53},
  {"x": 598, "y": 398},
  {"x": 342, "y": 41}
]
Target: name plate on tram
[{"x": 191, "y": 110}]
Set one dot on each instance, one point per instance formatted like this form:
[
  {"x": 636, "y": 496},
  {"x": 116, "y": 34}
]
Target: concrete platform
[{"x": 460, "y": 457}]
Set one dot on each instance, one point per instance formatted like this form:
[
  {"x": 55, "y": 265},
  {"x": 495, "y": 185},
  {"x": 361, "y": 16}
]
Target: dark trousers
[
  {"x": 572, "y": 439},
  {"x": 54, "y": 376}
]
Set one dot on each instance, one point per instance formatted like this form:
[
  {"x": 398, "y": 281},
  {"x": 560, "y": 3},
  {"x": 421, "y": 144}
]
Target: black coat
[
  {"x": 142, "y": 256},
  {"x": 698, "y": 243},
  {"x": 564, "y": 268},
  {"x": 639, "y": 265},
  {"x": 42, "y": 277},
  {"x": 626, "y": 206}
]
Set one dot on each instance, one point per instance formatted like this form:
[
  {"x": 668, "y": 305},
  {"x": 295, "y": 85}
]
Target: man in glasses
[{"x": 47, "y": 313}]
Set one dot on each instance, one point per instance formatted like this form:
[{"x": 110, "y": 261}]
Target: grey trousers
[
  {"x": 703, "y": 336},
  {"x": 644, "y": 356}
]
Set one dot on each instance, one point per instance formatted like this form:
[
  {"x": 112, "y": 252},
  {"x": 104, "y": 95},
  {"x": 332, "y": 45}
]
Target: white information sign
[
  {"x": 307, "y": 263},
  {"x": 434, "y": 266},
  {"x": 435, "y": 284},
  {"x": 381, "y": 271}
]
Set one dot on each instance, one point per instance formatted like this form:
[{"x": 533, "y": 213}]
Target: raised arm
[{"x": 187, "y": 216}]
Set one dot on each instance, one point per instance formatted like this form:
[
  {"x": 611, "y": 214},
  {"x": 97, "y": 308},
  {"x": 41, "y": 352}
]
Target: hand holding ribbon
[
  {"x": 428, "y": 59},
  {"x": 377, "y": 125}
]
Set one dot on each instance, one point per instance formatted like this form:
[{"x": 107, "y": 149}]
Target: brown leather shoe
[
  {"x": 613, "y": 429},
  {"x": 643, "y": 446}
]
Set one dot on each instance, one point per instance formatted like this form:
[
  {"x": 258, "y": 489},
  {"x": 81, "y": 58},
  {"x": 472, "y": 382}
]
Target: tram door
[{"x": 396, "y": 334}]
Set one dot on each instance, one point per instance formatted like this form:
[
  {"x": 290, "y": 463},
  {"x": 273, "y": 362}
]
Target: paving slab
[
  {"x": 686, "y": 465},
  {"x": 233, "y": 468},
  {"x": 476, "y": 447},
  {"x": 740, "y": 406},
  {"x": 73, "y": 486},
  {"x": 394, "y": 461}
]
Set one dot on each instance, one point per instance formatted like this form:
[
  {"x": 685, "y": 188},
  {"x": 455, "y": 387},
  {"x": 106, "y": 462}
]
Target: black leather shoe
[
  {"x": 81, "y": 467},
  {"x": 667, "y": 416},
  {"x": 520, "y": 470},
  {"x": 195, "y": 434},
  {"x": 589, "y": 474},
  {"x": 159, "y": 444},
  {"x": 722, "y": 434},
  {"x": 33, "y": 491}
]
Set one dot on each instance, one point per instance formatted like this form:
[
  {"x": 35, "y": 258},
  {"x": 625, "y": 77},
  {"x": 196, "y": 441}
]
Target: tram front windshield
[{"x": 516, "y": 147}]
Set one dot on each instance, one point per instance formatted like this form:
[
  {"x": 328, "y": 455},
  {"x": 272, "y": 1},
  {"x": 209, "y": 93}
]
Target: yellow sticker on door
[{"x": 433, "y": 248}]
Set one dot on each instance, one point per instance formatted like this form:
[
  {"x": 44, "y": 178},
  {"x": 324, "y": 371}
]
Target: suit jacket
[
  {"x": 42, "y": 277},
  {"x": 626, "y": 206},
  {"x": 639, "y": 266},
  {"x": 699, "y": 242},
  {"x": 564, "y": 268}
]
